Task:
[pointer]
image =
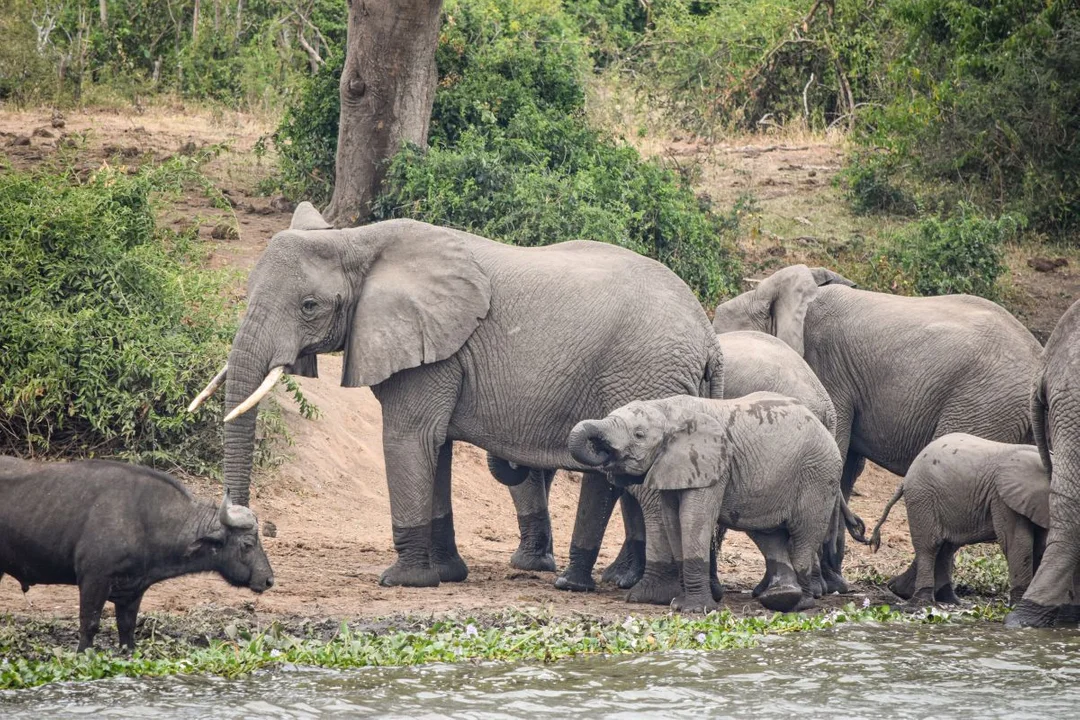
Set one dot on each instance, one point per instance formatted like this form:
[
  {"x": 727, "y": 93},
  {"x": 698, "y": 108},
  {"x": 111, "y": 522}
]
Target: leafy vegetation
[
  {"x": 512, "y": 156},
  {"x": 107, "y": 326},
  {"x": 510, "y": 636},
  {"x": 981, "y": 570}
]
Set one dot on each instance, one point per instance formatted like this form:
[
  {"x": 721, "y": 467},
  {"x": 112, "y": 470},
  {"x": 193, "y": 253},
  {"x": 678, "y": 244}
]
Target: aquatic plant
[{"x": 511, "y": 636}]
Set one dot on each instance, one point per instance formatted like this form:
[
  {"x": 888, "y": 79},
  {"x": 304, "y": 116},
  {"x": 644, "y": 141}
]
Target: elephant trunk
[
  {"x": 248, "y": 367},
  {"x": 588, "y": 443}
]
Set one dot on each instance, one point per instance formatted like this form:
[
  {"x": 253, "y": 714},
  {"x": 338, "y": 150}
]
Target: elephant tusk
[
  {"x": 211, "y": 386},
  {"x": 259, "y": 394}
]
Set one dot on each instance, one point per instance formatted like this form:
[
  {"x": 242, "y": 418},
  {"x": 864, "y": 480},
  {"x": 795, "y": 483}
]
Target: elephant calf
[
  {"x": 763, "y": 464},
  {"x": 963, "y": 490}
]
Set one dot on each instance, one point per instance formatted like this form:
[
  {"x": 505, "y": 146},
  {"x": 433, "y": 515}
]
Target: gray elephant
[
  {"x": 901, "y": 371},
  {"x": 1054, "y": 593},
  {"x": 763, "y": 464},
  {"x": 753, "y": 362},
  {"x": 963, "y": 490},
  {"x": 455, "y": 335}
]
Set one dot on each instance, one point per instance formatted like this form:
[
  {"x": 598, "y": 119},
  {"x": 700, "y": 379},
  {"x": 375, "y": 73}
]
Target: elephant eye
[
  {"x": 639, "y": 434},
  {"x": 309, "y": 305}
]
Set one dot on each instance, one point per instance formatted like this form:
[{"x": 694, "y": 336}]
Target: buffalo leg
[{"x": 93, "y": 593}]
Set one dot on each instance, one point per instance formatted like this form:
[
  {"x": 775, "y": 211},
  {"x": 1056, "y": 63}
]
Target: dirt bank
[{"x": 329, "y": 499}]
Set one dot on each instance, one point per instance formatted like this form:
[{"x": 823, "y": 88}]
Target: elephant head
[
  {"x": 1023, "y": 483},
  {"x": 392, "y": 295},
  {"x": 666, "y": 451},
  {"x": 778, "y": 304}
]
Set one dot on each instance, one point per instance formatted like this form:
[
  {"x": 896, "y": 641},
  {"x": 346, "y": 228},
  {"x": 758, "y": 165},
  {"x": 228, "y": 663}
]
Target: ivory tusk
[
  {"x": 259, "y": 394},
  {"x": 211, "y": 386}
]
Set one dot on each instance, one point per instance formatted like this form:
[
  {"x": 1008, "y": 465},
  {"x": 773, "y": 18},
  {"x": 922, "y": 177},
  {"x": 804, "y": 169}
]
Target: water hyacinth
[{"x": 509, "y": 636}]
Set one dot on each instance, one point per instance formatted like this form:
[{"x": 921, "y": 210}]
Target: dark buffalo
[{"x": 114, "y": 530}]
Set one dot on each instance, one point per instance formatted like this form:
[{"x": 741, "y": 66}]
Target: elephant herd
[{"x": 589, "y": 357}]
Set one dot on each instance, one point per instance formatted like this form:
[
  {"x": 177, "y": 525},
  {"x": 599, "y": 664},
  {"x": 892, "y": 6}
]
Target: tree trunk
[
  {"x": 387, "y": 88},
  {"x": 195, "y": 22},
  {"x": 103, "y": 10}
]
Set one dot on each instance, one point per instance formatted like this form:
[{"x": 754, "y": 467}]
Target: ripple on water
[{"x": 898, "y": 671}]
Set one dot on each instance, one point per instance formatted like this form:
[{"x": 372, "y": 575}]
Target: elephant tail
[
  {"x": 855, "y": 525},
  {"x": 712, "y": 384},
  {"x": 506, "y": 472},
  {"x": 875, "y": 538},
  {"x": 1038, "y": 422}
]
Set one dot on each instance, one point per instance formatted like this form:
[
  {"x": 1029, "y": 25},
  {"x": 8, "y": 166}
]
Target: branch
[{"x": 313, "y": 55}]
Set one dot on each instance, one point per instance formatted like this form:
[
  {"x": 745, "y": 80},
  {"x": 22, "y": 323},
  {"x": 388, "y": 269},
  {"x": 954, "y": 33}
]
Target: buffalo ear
[
  {"x": 421, "y": 299},
  {"x": 694, "y": 456},
  {"x": 305, "y": 366},
  {"x": 1024, "y": 485}
]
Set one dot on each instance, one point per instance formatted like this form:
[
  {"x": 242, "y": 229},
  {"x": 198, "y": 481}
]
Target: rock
[
  {"x": 269, "y": 529},
  {"x": 43, "y": 133},
  {"x": 188, "y": 148},
  {"x": 122, "y": 151},
  {"x": 776, "y": 251},
  {"x": 282, "y": 204},
  {"x": 1045, "y": 265},
  {"x": 19, "y": 141},
  {"x": 223, "y": 231},
  {"x": 57, "y": 120}
]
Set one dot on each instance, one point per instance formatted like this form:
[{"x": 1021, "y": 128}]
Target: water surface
[{"x": 858, "y": 671}]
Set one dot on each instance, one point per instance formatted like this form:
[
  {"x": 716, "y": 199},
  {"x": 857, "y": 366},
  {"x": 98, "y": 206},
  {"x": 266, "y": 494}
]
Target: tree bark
[{"x": 387, "y": 88}]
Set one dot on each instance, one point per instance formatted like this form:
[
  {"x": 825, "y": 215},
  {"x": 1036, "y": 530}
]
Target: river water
[{"x": 857, "y": 671}]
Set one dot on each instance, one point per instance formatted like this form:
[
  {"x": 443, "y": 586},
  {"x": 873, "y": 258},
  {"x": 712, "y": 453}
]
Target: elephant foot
[
  {"x": 577, "y": 577},
  {"x": 534, "y": 550},
  {"x": 806, "y": 603},
  {"x": 1068, "y": 615},
  {"x": 817, "y": 583},
  {"x": 767, "y": 579},
  {"x": 834, "y": 581},
  {"x": 716, "y": 589},
  {"x": 899, "y": 589},
  {"x": 1031, "y": 614},
  {"x": 444, "y": 552},
  {"x": 694, "y": 604},
  {"x": 399, "y": 575},
  {"x": 945, "y": 594},
  {"x": 659, "y": 585},
  {"x": 782, "y": 598},
  {"x": 920, "y": 599},
  {"x": 629, "y": 566}
]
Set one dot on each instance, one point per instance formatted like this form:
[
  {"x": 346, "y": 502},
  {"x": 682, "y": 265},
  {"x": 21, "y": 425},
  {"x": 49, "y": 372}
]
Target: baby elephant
[
  {"x": 763, "y": 464},
  {"x": 962, "y": 490},
  {"x": 114, "y": 530}
]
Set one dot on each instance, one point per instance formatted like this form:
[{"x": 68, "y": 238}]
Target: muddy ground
[{"x": 329, "y": 500}]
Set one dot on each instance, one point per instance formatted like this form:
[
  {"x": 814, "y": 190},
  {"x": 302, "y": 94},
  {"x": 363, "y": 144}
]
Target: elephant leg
[
  {"x": 595, "y": 503},
  {"x": 417, "y": 405},
  {"x": 926, "y": 556},
  {"x": 783, "y": 592},
  {"x": 832, "y": 550},
  {"x": 444, "y": 552},
  {"x": 1017, "y": 541},
  {"x": 661, "y": 580},
  {"x": 697, "y": 514},
  {"x": 817, "y": 582},
  {"x": 804, "y": 552},
  {"x": 943, "y": 571},
  {"x": 1070, "y": 614},
  {"x": 535, "y": 550},
  {"x": 629, "y": 566},
  {"x": 903, "y": 585},
  {"x": 715, "y": 586}
]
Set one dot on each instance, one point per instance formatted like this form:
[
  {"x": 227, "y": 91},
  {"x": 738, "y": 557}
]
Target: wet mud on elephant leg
[
  {"x": 832, "y": 551},
  {"x": 444, "y": 552},
  {"x": 629, "y": 566},
  {"x": 535, "y": 551},
  {"x": 661, "y": 581}
]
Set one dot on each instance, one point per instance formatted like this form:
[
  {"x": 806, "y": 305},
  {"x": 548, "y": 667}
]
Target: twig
[{"x": 805, "y": 104}]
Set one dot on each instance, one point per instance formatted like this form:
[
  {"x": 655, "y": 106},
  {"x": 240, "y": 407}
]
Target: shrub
[
  {"x": 107, "y": 328},
  {"x": 512, "y": 156},
  {"x": 961, "y": 254}
]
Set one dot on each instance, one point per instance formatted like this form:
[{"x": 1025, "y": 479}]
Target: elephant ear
[
  {"x": 694, "y": 456},
  {"x": 1024, "y": 485},
  {"x": 305, "y": 366},
  {"x": 421, "y": 299},
  {"x": 788, "y": 293},
  {"x": 825, "y": 276},
  {"x": 306, "y": 217}
]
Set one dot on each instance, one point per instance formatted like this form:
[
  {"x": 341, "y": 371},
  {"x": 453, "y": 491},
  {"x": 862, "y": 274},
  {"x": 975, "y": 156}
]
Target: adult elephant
[
  {"x": 1054, "y": 592},
  {"x": 901, "y": 371},
  {"x": 455, "y": 335},
  {"x": 753, "y": 362}
]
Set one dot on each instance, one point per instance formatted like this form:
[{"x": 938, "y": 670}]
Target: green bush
[
  {"x": 961, "y": 254},
  {"x": 512, "y": 156},
  {"x": 107, "y": 326},
  {"x": 983, "y": 102}
]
